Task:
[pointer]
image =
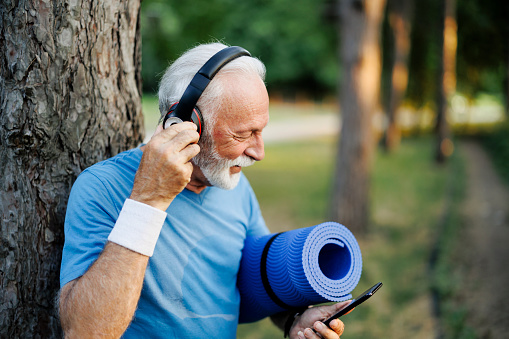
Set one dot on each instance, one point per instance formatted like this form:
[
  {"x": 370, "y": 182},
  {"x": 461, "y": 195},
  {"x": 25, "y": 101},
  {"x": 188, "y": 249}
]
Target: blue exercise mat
[{"x": 297, "y": 268}]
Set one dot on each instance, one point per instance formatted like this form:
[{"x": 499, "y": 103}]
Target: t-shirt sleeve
[{"x": 90, "y": 217}]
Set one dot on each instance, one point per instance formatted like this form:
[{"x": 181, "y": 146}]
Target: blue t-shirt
[{"x": 190, "y": 288}]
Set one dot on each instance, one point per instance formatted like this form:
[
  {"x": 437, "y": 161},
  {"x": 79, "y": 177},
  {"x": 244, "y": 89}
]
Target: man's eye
[{"x": 243, "y": 137}]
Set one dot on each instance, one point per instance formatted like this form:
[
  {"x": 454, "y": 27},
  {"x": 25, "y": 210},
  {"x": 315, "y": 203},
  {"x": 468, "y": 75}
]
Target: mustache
[{"x": 242, "y": 161}]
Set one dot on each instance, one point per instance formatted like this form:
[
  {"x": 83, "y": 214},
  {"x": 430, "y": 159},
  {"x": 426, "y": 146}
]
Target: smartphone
[{"x": 355, "y": 302}]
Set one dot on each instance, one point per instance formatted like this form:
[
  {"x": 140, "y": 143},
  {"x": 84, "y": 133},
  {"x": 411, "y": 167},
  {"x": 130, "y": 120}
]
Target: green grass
[
  {"x": 292, "y": 183},
  {"x": 408, "y": 195}
]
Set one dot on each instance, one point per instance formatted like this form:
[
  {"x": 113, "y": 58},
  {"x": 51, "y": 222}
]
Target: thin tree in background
[
  {"x": 507, "y": 82},
  {"x": 69, "y": 97},
  {"x": 360, "y": 58},
  {"x": 447, "y": 85},
  {"x": 400, "y": 20}
]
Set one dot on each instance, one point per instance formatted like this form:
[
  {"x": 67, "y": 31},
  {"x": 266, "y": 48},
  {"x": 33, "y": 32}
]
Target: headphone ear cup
[
  {"x": 172, "y": 118},
  {"x": 197, "y": 118}
]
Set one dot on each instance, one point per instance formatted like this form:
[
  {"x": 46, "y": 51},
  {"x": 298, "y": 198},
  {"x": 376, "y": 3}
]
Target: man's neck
[
  {"x": 196, "y": 188},
  {"x": 198, "y": 181}
]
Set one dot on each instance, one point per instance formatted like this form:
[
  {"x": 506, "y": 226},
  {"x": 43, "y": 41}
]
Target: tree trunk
[
  {"x": 507, "y": 81},
  {"x": 400, "y": 20},
  {"x": 359, "y": 97},
  {"x": 69, "y": 97},
  {"x": 447, "y": 81}
]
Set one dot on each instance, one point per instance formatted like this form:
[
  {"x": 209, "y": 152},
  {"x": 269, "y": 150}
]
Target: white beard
[{"x": 217, "y": 169}]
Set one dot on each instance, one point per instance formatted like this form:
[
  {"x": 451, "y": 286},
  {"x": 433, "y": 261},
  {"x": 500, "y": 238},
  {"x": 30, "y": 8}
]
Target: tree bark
[
  {"x": 447, "y": 85},
  {"x": 70, "y": 92},
  {"x": 400, "y": 20},
  {"x": 359, "y": 97}
]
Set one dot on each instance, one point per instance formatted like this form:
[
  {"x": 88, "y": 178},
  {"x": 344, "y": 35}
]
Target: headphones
[{"x": 185, "y": 109}]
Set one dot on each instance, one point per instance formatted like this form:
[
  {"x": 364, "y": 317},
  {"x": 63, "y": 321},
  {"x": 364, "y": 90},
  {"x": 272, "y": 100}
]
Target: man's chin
[{"x": 226, "y": 183}]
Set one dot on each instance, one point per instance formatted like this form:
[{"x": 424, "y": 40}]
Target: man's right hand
[{"x": 165, "y": 167}]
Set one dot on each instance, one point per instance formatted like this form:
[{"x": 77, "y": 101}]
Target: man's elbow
[
  {"x": 79, "y": 320},
  {"x": 64, "y": 308}
]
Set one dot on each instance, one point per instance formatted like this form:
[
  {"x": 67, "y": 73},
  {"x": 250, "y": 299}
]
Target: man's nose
[{"x": 256, "y": 148}]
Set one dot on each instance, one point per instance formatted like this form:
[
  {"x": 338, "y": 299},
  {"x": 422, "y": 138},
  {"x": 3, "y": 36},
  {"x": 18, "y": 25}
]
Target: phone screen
[{"x": 355, "y": 302}]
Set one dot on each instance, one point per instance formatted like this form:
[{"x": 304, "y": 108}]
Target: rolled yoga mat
[{"x": 294, "y": 269}]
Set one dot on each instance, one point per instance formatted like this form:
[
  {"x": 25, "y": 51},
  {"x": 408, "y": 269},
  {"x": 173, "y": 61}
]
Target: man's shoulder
[
  {"x": 113, "y": 174},
  {"x": 125, "y": 162}
]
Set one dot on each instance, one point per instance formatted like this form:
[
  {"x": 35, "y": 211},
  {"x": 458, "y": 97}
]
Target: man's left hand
[{"x": 309, "y": 325}]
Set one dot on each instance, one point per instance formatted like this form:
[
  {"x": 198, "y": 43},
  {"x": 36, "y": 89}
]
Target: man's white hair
[{"x": 179, "y": 75}]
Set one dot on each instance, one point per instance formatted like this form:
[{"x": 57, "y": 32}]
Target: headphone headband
[{"x": 203, "y": 77}]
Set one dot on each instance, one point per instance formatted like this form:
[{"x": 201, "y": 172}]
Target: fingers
[
  {"x": 184, "y": 138},
  {"x": 337, "y": 326},
  {"x": 189, "y": 152},
  {"x": 179, "y": 135},
  {"x": 310, "y": 325},
  {"x": 321, "y": 331},
  {"x": 179, "y": 139}
]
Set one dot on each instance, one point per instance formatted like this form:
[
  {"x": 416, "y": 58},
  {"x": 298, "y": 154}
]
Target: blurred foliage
[
  {"x": 482, "y": 51},
  {"x": 296, "y": 45},
  {"x": 483, "y": 47}
]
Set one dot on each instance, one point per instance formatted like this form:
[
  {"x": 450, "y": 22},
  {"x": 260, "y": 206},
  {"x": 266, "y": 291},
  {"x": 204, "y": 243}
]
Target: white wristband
[{"x": 138, "y": 227}]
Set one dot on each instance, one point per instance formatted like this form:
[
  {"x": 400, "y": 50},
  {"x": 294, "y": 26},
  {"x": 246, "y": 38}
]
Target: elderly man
[{"x": 154, "y": 235}]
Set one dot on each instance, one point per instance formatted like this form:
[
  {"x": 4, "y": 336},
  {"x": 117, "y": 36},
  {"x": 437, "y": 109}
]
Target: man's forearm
[{"x": 104, "y": 299}]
